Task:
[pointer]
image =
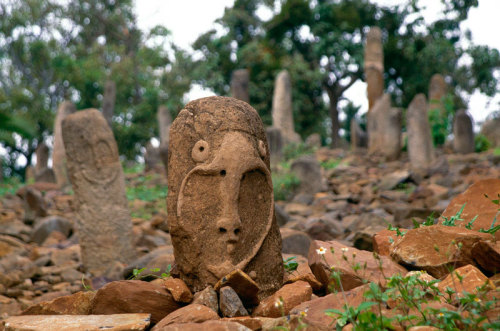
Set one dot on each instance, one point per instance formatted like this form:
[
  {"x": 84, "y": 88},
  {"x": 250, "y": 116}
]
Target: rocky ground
[{"x": 41, "y": 270}]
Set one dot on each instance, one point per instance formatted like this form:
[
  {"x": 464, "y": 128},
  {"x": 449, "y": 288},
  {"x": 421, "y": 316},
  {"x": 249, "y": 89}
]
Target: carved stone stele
[
  {"x": 220, "y": 199},
  {"x": 104, "y": 227}
]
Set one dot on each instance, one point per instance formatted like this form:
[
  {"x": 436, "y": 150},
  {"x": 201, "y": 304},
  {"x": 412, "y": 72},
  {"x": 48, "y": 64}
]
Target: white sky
[{"x": 187, "y": 19}]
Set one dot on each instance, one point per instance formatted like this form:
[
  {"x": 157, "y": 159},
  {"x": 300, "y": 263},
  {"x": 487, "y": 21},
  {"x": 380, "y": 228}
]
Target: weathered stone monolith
[
  {"x": 220, "y": 200},
  {"x": 42, "y": 157},
  {"x": 164, "y": 122},
  {"x": 374, "y": 66},
  {"x": 275, "y": 142},
  {"x": 359, "y": 139},
  {"x": 420, "y": 147},
  {"x": 437, "y": 90},
  {"x": 491, "y": 130},
  {"x": 58, "y": 154},
  {"x": 463, "y": 132},
  {"x": 384, "y": 129},
  {"x": 103, "y": 222},
  {"x": 282, "y": 111},
  {"x": 240, "y": 80},
  {"x": 152, "y": 158},
  {"x": 108, "y": 101}
]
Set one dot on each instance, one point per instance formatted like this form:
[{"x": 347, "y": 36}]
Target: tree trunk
[{"x": 334, "y": 117}]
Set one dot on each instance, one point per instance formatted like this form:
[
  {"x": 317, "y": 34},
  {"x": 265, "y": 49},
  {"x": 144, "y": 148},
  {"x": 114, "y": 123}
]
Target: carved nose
[{"x": 229, "y": 226}]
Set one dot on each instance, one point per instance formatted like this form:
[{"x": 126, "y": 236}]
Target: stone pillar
[
  {"x": 240, "y": 80},
  {"x": 463, "y": 132},
  {"x": 108, "y": 101},
  {"x": 58, "y": 153},
  {"x": 437, "y": 90},
  {"x": 151, "y": 157},
  {"x": 103, "y": 222},
  {"x": 384, "y": 129},
  {"x": 359, "y": 138},
  {"x": 490, "y": 129},
  {"x": 42, "y": 157},
  {"x": 374, "y": 66},
  {"x": 275, "y": 141},
  {"x": 220, "y": 201},
  {"x": 282, "y": 111},
  {"x": 420, "y": 147}
]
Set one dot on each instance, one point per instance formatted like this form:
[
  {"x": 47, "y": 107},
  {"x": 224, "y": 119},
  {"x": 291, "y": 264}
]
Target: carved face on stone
[
  {"x": 220, "y": 188},
  {"x": 92, "y": 145}
]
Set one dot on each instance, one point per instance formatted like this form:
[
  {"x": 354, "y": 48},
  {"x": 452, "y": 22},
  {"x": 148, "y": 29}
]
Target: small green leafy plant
[
  {"x": 290, "y": 264},
  {"x": 138, "y": 274}
]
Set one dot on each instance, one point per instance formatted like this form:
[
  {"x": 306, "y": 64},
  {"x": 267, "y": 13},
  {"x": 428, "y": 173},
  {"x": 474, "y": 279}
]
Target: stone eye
[{"x": 200, "y": 151}]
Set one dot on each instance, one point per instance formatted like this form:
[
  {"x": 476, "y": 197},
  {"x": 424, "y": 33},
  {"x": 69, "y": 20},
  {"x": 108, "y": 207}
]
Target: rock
[
  {"x": 207, "y": 297},
  {"x": 59, "y": 154},
  {"x": 359, "y": 138},
  {"x": 431, "y": 248},
  {"x": 276, "y": 144},
  {"x": 240, "y": 79},
  {"x": 363, "y": 239},
  {"x": 282, "y": 111},
  {"x": 220, "y": 207},
  {"x": 286, "y": 298},
  {"x": 152, "y": 157},
  {"x": 103, "y": 220},
  {"x": 8, "y": 307},
  {"x": 343, "y": 259},
  {"x": 42, "y": 157},
  {"x": 490, "y": 130},
  {"x": 242, "y": 284},
  {"x": 47, "y": 225},
  {"x": 69, "y": 255},
  {"x": 206, "y": 326},
  {"x": 420, "y": 145},
  {"x": 374, "y": 66},
  {"x": 36, "y": 202},
  {"x": 487, "y": 255},
  {"x": 75, "y": 304},
  {"x": 295, "y": 242},
  {"x": 151, "y": 260},
  {"x": 308, "y": 171},
  {"x": 315, "y": 309},
  {"x": 114, "y": 322},
  {"x": 313, "y": 140},
  {"x": 281, "y": 216},
  {"x": 302, "y": 273},
  {"x": 164, "y": 122},
  {"x": 476, "y": 204},
  {"x": 134, "y": 296},
  {"x": 46, "y": 175},
  {"x": 463, "y": 132},
  {"x": 391, "y": 180},
  {"x": 193, "y": 313},
  {"x": 384, "y": 129},
  {"x": 463, "y": 280},
  {"x": 178, "y": 289},
  {"x": 230, "y": 304},
  {"x": 383, "y": 240}
]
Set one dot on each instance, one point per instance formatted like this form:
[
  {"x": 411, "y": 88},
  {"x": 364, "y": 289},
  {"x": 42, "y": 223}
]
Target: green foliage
[
  {"x": 290, "y": 264},
  {"x": 481, "y": 143},
  {"x": 451, "y": 221},
  {"x": 10, "y": 185},
  {"x": 295, "y": 150},
  {"x": 331, "y": 164},
  {"x": 496, "y": 151},
  {"x": 139, "y": 273},
  {"x": 440, "y": 118},
  {"x": 284, "y": 184}
]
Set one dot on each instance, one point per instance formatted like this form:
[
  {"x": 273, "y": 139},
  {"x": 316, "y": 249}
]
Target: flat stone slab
[{"x": 116, "y": 322}]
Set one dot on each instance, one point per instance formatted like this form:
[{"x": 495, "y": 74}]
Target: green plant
[
  {"x": 290, "y": 264},
  {"x": 450, "y": 221},
  {"x": 481, "y": 143},
  {"x": 139, "y": 273},
  {"x": 294, "y": 150},
  {"x": 330, "y": 164},
  {"x": 284, "y": 184},
  {"x": 496, "y": 151},
  {"x": 10, "y": 185}
]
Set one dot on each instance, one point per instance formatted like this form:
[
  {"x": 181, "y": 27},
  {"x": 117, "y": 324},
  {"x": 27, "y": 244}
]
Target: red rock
[
  {"x": 206, "y": 326},
  {"x": 477, "y": 204},
  {"x": 134, "y": 296},
  {"x": 430, "y": 248},
  {"x": 383, "y": 240},
  {"x": 470, "y": 279},
  {"x": 286, "y": 298},
  {"x": 321, "y": 265},
  {"x": 315, "y": 309},
  {"x": 242, "y": 284},
  {"x": 190, "y": 314},
  {"x": 76, "y": 304},
  {"x": 302, "y": 273},
  {"x": 76, "y": 322},
  {"x": 178, "y": 289},
  {"x": 207, "y": 297},
  {"x": 487, "y": 255}
]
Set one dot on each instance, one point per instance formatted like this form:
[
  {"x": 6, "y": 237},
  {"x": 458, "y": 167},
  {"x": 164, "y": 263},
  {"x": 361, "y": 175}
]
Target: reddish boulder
[
  {"x": 355, "y": 266},
  {"x": 206, "y": 326},
  {"x": 178, "y": 289},
  {"x": 286, "y": 298},
  {"x": 464, "y": 279},
  {"x": 76, "y": 304},
  {"x": 383, "y": 240},
  {"x": 134, "y": 296},
  {"x": 436, "y": 248},
  {"x": 190, "y": 314},
  {"x": 487, "y": 255},
  {"x": 476, "y": 204}
]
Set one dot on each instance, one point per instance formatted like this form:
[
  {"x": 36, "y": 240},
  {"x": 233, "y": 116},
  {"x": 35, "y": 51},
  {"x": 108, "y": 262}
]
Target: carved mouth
[{"x": 100, "y": 176}]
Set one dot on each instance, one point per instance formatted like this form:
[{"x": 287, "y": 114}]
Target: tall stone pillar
[
  {"x": 374, "y": 66},
  {"x": 282, "y": 111},
  {"x": 384, "y": 129},
  {"x": 437, "y": 90},
  {"x": 42, "y": 157},
  {"x": 240, "y": 80},
  {"x": 103, "y": 222},
  {"x": 463, "y": 132},
  {"x": 58, "y": 153},
  {"x": 420, "y": 147}
]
